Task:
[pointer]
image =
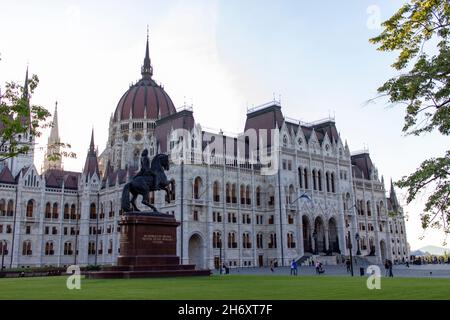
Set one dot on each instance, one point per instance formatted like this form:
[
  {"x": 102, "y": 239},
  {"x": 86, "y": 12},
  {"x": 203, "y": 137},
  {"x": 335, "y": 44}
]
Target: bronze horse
[{"x": 142, "y": 184}]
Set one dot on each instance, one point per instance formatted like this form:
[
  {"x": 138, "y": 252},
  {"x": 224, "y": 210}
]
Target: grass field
[{"x": 227, "y": 287}]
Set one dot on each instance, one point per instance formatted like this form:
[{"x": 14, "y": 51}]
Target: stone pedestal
[{"x": 148, "y": 246}]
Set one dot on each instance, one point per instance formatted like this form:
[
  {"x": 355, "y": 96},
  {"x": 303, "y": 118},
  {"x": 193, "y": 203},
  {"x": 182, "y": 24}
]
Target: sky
[{"x": 222, "y": 57}]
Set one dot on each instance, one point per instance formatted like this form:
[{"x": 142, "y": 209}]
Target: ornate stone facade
[{"x": 229, "y": 210}]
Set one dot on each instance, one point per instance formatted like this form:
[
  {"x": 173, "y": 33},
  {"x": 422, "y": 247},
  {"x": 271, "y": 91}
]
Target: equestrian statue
[{"x": 151, "y": 177}]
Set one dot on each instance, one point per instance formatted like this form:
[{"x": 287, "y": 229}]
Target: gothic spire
[
  {"x": 52, "y": 158},
  {"x": 91, "y": 145},
  {"x": 54, "y": 133},
  {"x": 147, "y": 69},
  {"x": 91, "y": 164},
  {"x": 393, "y": 197},
  {"x": 25, "y": 86}
]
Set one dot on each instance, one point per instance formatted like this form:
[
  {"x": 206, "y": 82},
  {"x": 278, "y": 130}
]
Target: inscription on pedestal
[{"x": 157, "y": 238}]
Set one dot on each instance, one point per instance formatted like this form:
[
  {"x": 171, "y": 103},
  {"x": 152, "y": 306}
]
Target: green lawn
[{"x": 227, "y": 287}]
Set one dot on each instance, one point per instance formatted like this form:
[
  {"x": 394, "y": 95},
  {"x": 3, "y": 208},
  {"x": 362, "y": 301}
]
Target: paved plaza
[{"x": 414, "y": 271}]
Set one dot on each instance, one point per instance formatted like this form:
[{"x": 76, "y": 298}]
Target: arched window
[
  {"x": 300, "y": 177},
  {"x": 73, "y": 213},
  {"x": 30, "y": 207},
  {"x": 305, "y": 175},
  {"x": 248, "y": 198},
  {"x": 314, "y": 177},
  {"x": 233, "y": 193},
  {"x": 2, "y": 207},
  {"x": 232, "y": 244},
  {"x": 290, "y": 240},
  {"x": 10, "y": 209},
  {"x": 369, "y": 211},
  {"x": 273, "y": 241},
  {"x": 285, "y": 141},
  {"x": 48, "y": 210},
  {"x": 49, "y": 248},
  {"x": 216, "y": 191},
  {"x": 100, "y": 248},
  {"x": 55, "y": 211},
  {"x": 3, "y": 248},
  {"x": 93, "y": 211},
  {"x": 197, "y": 187},
  {"x": 26, "y": 248},
  {"x": 242, "y": 193},
  {"x": 319, "y": 180},
  {"x": 228, "y": 192},
  {"x": 246, "y": 241},
  {"x": 327, "y": 177},
  {"x": 217, "y": 239},
  {"x": 258, "y": 196},
  {"x": 332, "y": 183},
  {"x": 91, "y": 247},
  {"x": 66, "y": 212},
  {"x": 291, "y": 194},
  {"x": 68, "y": 248},
  {"x": 259, "y": 241},
  {"x": 110, "y": 247}
]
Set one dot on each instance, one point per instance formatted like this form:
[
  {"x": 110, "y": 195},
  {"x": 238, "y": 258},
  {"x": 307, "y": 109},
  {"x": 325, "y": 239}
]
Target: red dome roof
[{"x": 145, "y": 99}]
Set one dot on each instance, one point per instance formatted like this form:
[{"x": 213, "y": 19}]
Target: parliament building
[{"x": 231, "y": 210}]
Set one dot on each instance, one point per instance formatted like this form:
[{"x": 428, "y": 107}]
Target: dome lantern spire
[{"x": 147, "y": 69}]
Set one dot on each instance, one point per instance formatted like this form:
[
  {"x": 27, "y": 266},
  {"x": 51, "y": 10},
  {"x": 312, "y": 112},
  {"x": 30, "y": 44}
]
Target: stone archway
[
  {"x": 307, "y": 244},
  {"x": 196, "y": 251},
  {"x": 383, "y": 251},
  {"x": 333, "y": 237},
  {"x": 319, "y": 235}
]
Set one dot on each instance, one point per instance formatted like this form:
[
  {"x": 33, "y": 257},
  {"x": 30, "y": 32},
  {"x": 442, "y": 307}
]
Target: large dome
[{"x": 145, "y": 99}]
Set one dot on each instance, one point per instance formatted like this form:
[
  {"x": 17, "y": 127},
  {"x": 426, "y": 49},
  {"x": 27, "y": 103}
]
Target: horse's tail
[{"x": 126, "y": 197}]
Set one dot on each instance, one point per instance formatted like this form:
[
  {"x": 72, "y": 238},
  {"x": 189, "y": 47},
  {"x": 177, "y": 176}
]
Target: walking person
[
  {"x": 386, "y": 267},
  {"x": 271, "y": 266},
  {"x": 293, "y": 267},
  {"x": 391, "y": 275},
  {"x": 347, "y": 263}
]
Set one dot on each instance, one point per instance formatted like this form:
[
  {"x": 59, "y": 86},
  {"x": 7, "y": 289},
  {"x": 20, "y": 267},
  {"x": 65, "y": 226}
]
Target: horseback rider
[{"x": 145, "y": 166}]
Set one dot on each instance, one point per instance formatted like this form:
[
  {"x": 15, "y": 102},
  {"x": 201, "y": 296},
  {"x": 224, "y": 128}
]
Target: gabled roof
[
  {"x": 6, "y": 176},
  {"x": 112, "y": 177},
  {"x": 364, "y": 165},
  {"x": 55, "y": 178}
]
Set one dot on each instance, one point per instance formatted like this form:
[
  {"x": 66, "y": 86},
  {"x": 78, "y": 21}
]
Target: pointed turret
[
  {"x": 26, "y": 97},
  {"x": 53, "y": 145},
  {"x": 91, "y": 164},
  {"x": 147, "y": 69},
  {"x": 25, "y": 86},
  {"x": 393, "y": 198}
]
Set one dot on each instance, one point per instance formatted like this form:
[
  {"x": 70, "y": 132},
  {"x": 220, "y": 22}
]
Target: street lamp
[
  {"x": 358, "y": 252},
  {"x": 349, "y": 246}
]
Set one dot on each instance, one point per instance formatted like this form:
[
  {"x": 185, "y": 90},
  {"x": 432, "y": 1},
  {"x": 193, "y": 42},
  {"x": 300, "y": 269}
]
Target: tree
[
  {"x": 420, "y": 31},
  {"x": 20, "y": 119}
]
